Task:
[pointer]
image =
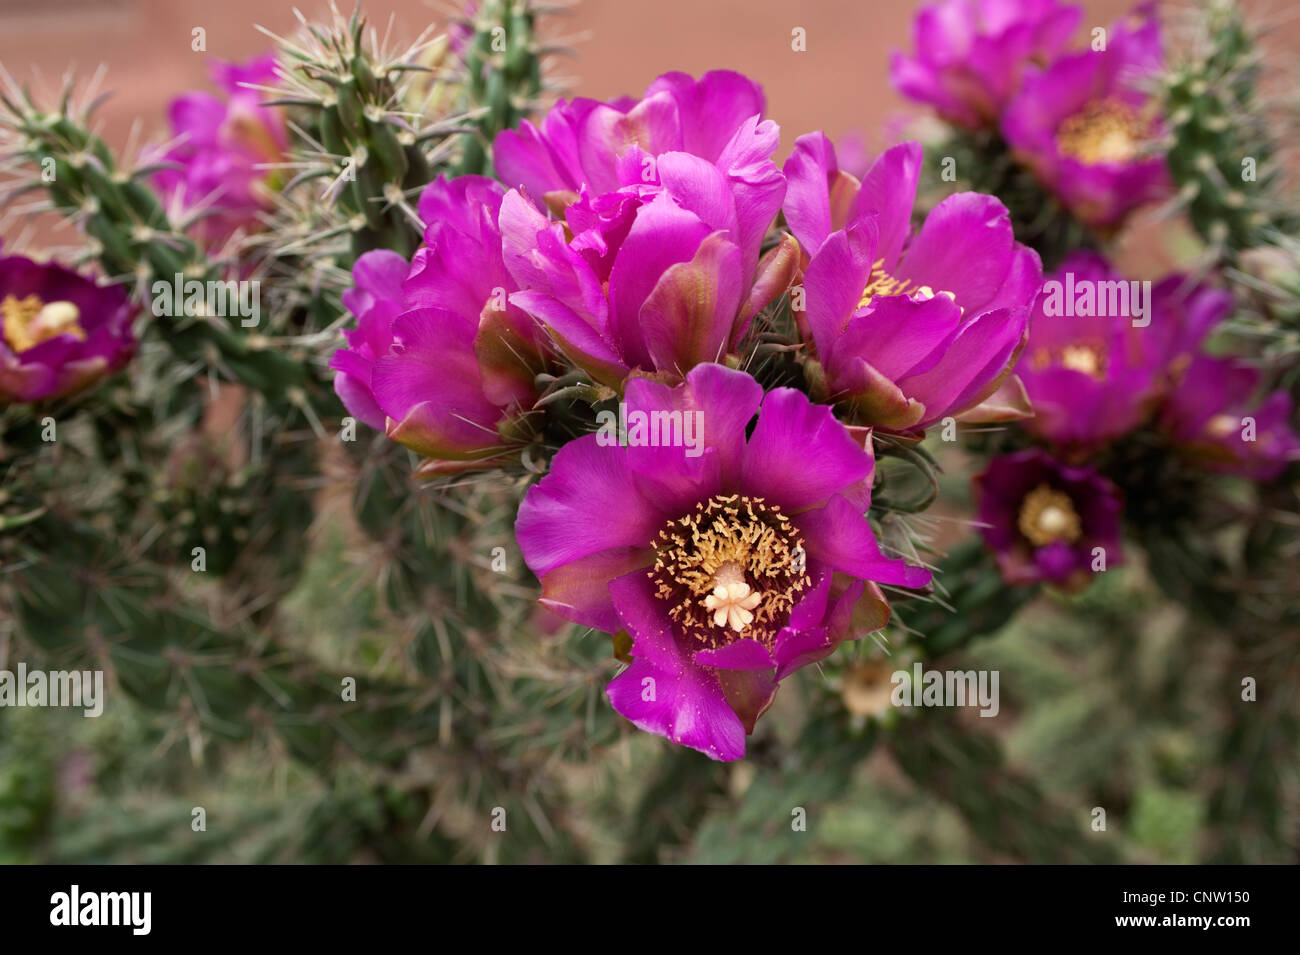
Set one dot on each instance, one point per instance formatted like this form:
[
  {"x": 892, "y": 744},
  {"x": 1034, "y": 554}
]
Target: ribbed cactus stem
[
  {"x": 1222, "y": 145},
  {"x": 503, "y": 76},
  {"x": 134, "y": 239}
]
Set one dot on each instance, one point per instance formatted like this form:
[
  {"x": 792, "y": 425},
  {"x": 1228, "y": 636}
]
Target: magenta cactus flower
[
  {"x": 1047, "y": 522},
  {"x": 1211, "y": 417},
  {"x": 1103, "y": 349},
  {"x": 223, "y": 141},
  {"x": 606, "y": 146},
  {"x": 908, "y": 329},
  {"x": 60, "y": 333},
  {"x": 854, "y": 155},
  {"x": 1084, "y": 125},
  {"x": 971, "y": 54},
  {"x": 731, "y": 557},
  {"x": 662, "y": 271},
  {"x": 376, "y": 300},
  {"x": 440, "y": 359}
]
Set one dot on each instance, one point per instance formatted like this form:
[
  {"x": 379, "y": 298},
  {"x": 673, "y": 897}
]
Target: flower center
[
  {"x": 1083, "y": 358},
  {"x": 1048, "y": 515},
  {"x": 1089, "y": 359},
  {"x": 867, "y": 689},
  {"x": 1103, "y": 131},
  {"x": 1221, "y": 426},
  {"x": 730, "y": 570},
  {"x": 882, "y": 283},
  {"x": 28, "y": 321}
]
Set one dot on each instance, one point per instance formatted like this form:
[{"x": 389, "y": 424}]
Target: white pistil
[
  {"x": 57, "y": 318},
  {"x": 1053, "y": 521},
  {"x": 731, "y": 604}
]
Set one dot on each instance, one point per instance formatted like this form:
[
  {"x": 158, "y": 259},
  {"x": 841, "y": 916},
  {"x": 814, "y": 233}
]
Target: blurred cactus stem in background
[{"x": 1224, "y": 130}]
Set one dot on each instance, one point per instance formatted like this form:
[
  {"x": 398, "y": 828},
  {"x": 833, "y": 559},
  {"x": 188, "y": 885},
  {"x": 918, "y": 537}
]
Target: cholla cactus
[
  {"x": 397, "y": 650},
  {"x": 502, "y": 61},
  {"x": 1223, "y": 151},
  {"x": 132, "y": 235},
  {"x": 376, "y": 124},
  {"x": 355, "y": 127}
]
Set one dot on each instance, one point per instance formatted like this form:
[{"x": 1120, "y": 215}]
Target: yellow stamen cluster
[
  {"x": 731, "y": 569},
  {"x": 1085, "y": 359},
  {"x": 882, "y": 283},
  {"x": 1103, "y": 131},
  {"x": 1091, "y": 359},
  {"x": 27, "y": 322},
  {"x": 1222, "y": 425},
  {"x": 1048, "y": 515}
]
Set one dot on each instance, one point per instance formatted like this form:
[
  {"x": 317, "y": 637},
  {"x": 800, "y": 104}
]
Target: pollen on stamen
[
  {"x": 1103, "y": 131},
  {"x": 1048, "y": 515},
  {"x": 882, "y": 283},
  {"x": 731, "y": 569},
  {"x": 27, "y": 322}
]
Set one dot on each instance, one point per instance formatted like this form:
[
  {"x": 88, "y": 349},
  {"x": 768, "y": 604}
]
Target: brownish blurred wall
[{"x": 840, "y": 84}]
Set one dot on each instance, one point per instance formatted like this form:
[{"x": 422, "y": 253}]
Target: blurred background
[
  {"x": 839, "y": 85},
  {"x": 1101, "y": 692}
]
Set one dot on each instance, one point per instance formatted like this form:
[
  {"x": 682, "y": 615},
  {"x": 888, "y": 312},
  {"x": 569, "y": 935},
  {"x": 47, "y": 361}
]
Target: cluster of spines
[
  {"x": 372, "y": 127},
  {"x": 502, "y": 65},
  {"x": 132, "y": 235},
  {"x": 1222, "y": 133},
  {"x": 356, "y": 129}
]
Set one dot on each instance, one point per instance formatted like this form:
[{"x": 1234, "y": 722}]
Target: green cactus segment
[
  {"x": 133, "y": 239},
  {"x": 503, "y": 76},
  {"x": 1008, "y": 812},
  {"x": 1222, "y": 149},
  {"x": 371, "y": 127},
  {"x": 223, "y": 684},
  {"x": 355, "y": 131},
  {"x": 28, "y": 785},
  {"x": 977, "y": 602}
]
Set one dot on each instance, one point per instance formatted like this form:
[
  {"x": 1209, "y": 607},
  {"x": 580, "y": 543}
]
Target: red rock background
[{"x": 840, "y": 84}]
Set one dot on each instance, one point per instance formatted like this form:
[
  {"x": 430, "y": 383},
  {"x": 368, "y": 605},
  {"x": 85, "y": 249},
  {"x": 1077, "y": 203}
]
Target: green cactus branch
[
  {"x": 133, "y": 239},
  {"x": 1008, "y": 812},
  {"x": 224, "y": 684},
  {"x": 1223, "y": 149}
]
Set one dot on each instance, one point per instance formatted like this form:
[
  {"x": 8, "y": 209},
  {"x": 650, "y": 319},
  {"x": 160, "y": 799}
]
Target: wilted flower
[
  {"x": 655, "y": 265},
  {"x": 61, "y": 332},
  {"x": 970, "y": 54},
  {"x": 1046, "y": 521},
  {"x": 867, "y": 689},
  {"x": 731, "y": 563},
  {"x": 223, "y": 141},
  {"x": 1085, "y": 124},
  {"x": 1210, "y": 415},
  {"x": 1094, "y": 366},
  {"x": 440, "y": 359},
  {"x": 907, "y": 329}
]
